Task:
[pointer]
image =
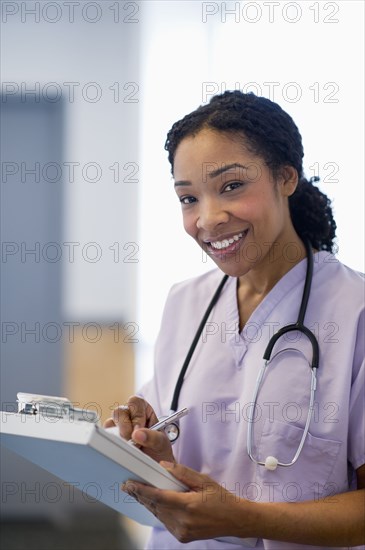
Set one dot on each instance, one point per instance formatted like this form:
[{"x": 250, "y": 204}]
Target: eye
[
  {"x": 233, "y": 185},
  {"x": 187, "y": 199}
]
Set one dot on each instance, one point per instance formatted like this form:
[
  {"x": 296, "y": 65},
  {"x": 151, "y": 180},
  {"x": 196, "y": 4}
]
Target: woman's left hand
[{"x": 206, "y": 511}]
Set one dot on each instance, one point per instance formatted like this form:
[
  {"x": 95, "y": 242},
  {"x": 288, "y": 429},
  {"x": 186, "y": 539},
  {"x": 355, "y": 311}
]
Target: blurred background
[{"x": 91, "y": 232}]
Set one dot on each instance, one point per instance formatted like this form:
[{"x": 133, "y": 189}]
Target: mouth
[{"x": 228, "y": 245}]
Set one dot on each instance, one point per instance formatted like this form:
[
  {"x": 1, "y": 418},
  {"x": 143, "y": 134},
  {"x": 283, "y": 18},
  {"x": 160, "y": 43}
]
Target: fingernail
[
  {"x": 140, "y": 436},
  {"x": 166, "y": 464},
  {"x": 129, "y": 487}
]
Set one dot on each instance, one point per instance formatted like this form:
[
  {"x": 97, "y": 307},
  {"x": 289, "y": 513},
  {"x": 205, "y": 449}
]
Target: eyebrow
[{"x": 215, "y": 173}]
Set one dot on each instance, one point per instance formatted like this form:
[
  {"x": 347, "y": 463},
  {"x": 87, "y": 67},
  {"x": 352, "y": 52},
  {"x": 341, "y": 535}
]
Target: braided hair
[{"x": 268, "y": 132}]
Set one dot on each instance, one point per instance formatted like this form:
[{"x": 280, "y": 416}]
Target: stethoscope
[{"x": 271, "y": 462}]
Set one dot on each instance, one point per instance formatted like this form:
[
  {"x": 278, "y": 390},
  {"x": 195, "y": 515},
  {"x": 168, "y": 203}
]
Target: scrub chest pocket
[{"x": 308, "y": 478}]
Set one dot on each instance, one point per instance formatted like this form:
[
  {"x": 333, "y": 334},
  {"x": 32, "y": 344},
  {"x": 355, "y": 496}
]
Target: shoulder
[
  {"x": 333, "y": 277},
  {"x": 338, "y": 298}
]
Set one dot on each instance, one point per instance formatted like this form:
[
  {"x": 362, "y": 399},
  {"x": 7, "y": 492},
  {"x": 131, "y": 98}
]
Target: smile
[{"x": 219, "y": 245}]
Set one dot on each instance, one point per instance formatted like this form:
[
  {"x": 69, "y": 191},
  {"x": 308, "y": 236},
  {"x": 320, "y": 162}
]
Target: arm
[
  {"x": 209, "y": 511},
  {"x": 333, "y": 521}
]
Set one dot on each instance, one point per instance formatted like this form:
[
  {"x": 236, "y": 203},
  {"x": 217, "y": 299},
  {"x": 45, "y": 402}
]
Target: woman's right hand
[{"x": 134, "y": 421}]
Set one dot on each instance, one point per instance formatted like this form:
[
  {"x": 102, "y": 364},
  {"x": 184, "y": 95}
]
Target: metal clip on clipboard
[{"x": 49, "y": 406}]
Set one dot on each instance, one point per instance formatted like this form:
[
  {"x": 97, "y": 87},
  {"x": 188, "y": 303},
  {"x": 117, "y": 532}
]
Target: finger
[
  {"x": 136, "y": 414},
  {"x": 161, "y": 500},
  {"x": 192, "y": 479},
  {"x": 141, "y": 413},
  {"x": 130, "y": 487},
  {"x": 151, "y": 439},
  {"x": 146, "y": 494},
  {"x": 109, "y": 423},
  {"x": 122, "y": 419}
]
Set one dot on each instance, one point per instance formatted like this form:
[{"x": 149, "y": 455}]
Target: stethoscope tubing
[
  {"x": 180, "y": 380},
  {"x": 251, "y": 417}
]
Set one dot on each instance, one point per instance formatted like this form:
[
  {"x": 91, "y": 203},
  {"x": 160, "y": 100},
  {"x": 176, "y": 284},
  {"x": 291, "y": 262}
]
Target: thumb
[{"x": 191, "y": 478}]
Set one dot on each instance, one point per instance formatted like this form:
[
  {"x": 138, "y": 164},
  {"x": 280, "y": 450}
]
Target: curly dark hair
[{"x": 269, "y": 132}]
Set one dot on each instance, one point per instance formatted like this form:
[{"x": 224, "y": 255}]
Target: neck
[{"x": 280, "y": 258}]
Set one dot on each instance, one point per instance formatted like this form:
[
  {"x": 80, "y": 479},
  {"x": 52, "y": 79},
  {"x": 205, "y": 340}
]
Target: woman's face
[{"x": 230, "y": 203}]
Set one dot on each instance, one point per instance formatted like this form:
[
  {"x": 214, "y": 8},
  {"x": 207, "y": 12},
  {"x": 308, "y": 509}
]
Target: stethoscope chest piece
[
  {"x": 172, "y": 431},
  {"x": 271, "y": 463}
]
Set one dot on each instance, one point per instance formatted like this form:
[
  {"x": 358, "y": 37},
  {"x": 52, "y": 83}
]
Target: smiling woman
[{"x": 237, "y": 165}]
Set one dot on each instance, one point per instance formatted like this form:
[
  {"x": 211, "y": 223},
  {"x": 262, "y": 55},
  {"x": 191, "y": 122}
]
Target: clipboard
[
  {"x": 69, "y": 443},
  {"x": 88, "y": 457}
]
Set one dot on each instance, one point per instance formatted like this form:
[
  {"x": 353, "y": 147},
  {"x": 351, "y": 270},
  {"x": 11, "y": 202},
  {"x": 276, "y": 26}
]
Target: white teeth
[{"x": 226, "y": 242}]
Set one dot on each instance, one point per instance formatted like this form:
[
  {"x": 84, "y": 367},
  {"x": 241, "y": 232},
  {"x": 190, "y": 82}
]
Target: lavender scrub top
[{"x": 220, "y": 380}]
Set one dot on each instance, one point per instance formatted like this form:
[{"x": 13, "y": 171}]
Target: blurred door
[{"x": 31, "y": 234}]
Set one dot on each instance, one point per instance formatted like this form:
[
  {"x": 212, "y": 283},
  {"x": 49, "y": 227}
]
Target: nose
[{"x": 211, "y": 214}]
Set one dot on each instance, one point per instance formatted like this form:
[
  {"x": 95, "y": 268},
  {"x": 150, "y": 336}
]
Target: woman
[{"x": 237, "y": 166}]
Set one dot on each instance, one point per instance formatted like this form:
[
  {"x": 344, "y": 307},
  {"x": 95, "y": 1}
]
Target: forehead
[{"x": 209, "y": 147}]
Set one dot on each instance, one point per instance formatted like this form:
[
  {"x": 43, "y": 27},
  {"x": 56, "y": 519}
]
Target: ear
[{"x": 287, "y": 180}]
